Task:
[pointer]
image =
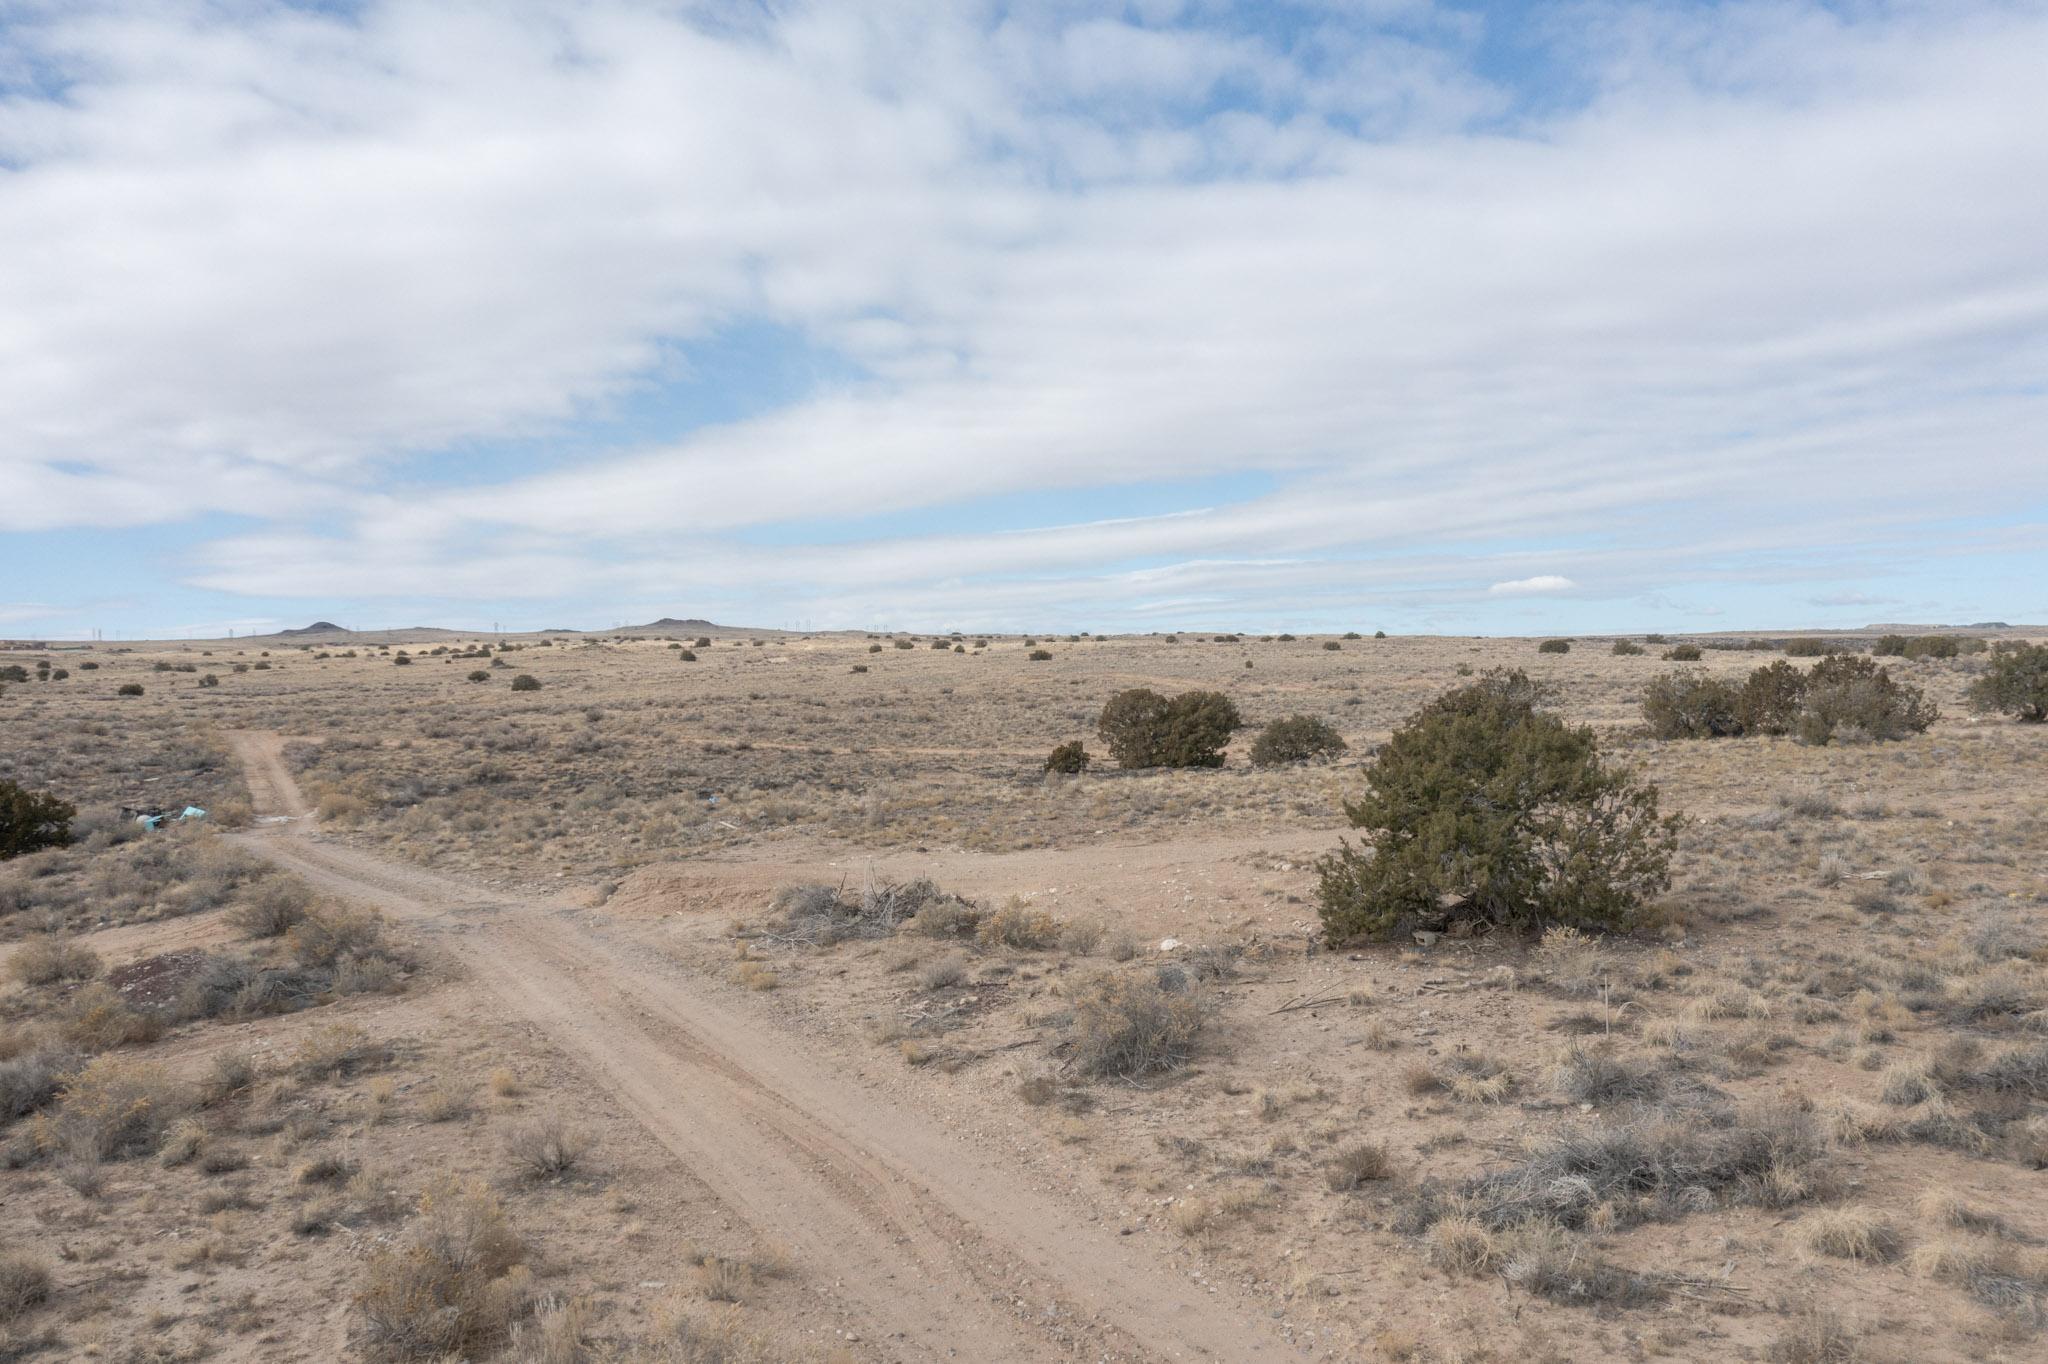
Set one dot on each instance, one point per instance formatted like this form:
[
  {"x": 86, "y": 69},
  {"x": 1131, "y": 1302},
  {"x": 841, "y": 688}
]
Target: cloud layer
[{"x": 1687, "y": 298}]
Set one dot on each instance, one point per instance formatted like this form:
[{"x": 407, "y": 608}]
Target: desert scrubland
[{"x": 750, "y": 996}]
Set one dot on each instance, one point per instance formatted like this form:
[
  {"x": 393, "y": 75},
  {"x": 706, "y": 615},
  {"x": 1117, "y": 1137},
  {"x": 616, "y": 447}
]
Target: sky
[{"x": 1464, "y": 318}]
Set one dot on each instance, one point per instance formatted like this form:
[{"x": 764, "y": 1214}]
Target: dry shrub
[
  {"x": 278, "y": 905},
  {"x": 2003, "y": 1276},
  {"x": 1131, "y": 1025},
  {"x": 183, "y": 1142},
  {"x": 453, "y": 1287},
  {"x": 112, "y": 1108},
  {"x": 1081, "y": 936},
  {"x": 1861, "y": 1234},
  {"x": 230, "y": 1074},
  {"x": 32, "y": 1080},
  {"x": 1019, "y": 926},
  {"x": 24, "y": 1283},
  {"x": 327, "y": 936},
  {"x": 547, "y": 1149},
  {"x": 947, "y": 971},
  {"x": 50, "y": 961},
  {"x": 1654, "y": 1168},
  {"x": 1590, "y": 1076}
]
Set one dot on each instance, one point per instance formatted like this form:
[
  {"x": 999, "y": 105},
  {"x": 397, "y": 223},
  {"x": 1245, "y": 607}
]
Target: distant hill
[
  {"x": 318, "y": 627},
  {"x": 671, "y": 624}
]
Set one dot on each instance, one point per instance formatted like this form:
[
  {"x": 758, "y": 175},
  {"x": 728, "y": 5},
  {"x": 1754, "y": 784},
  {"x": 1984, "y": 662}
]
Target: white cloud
[
  {"x": 1542, "y": 582},
  {"x": 265, "y": 263}
]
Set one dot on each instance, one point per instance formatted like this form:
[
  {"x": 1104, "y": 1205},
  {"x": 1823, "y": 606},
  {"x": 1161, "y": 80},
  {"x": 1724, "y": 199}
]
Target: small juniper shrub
[
  {"x": 2016, "y": 685},
  {"x": 1070, "y": 758},
  {"x": 1296, "y": 739},
  {"x": 1144, "y": 729},
  {"x": 1484, "y": 807}
]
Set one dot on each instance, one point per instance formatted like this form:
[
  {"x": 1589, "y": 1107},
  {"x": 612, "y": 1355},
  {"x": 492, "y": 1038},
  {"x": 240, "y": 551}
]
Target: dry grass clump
[
  {"x": 2002, "y": 1275},
  {"x": 1131, "y": 1025},
  {"x": 1861, "y": 1234},
  {"x": 1815, "y": 1336},
  {"x": 943, "y": 973},
  {"x": 24, "y": 1284},
  {"x": 337, "y": 1051},
  {"x": 548, "y": 1149},
  {"x": 1358, "y": 1165},
  {"x": 1590, "y": 1076},
  {"x": 453, "y": 1287},
  {"x": 1478, "y": 1078},
  {"x": 1019, "y": 926},
  {"x": 1654, "y": 1168},
  {"x": 114, "y": 1107},
  {"x": 51, "y": 961},
  {"x": 2001, "y": 993}
]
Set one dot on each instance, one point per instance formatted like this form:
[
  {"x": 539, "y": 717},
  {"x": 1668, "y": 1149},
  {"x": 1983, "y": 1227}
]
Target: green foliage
[
  {"x": 1851, "y": 697},
  {"x": 479, "y": 674},
  {"x": 1769, "y": 701},
  {"x": 1927, "y": 646},
  {"x": 2016, "y": 685},
  {"x": 1682, "y": 653},
  {"x": 1144, "y": 729},
  {"x": 526, "y": 682},
  {"x": 1554, "y": 646},
  {"x": 1809, "y": 648},
  {"x": 1625, "y": 649},
  {"x": 1690, "y": 705},
  {"x": 128, "y": 689},
  {"x": 1483, "y": 807},
  {"x": 1071, "y": 758},
  {"x": 1296, "y": 739},
  {"x": 1039, "y": 655}
]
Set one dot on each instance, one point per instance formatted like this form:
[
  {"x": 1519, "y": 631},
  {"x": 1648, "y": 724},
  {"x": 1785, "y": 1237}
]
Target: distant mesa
[
  {"x": 318, "y": 627},
  {"x": 671, "y": 623}
]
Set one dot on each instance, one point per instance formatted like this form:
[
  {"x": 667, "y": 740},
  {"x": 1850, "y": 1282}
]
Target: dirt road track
[{"x": 932, "y": 1250}]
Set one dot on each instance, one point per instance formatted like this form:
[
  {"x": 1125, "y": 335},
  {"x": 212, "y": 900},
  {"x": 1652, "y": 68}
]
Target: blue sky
[{"x": 1479, "y": 318}]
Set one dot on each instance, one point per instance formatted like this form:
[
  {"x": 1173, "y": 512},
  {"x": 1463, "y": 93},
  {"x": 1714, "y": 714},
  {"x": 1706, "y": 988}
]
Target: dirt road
[{"x": 929, "y": 1249}]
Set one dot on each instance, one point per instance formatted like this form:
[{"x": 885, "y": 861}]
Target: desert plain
[{"x": 727, "y": 995}]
